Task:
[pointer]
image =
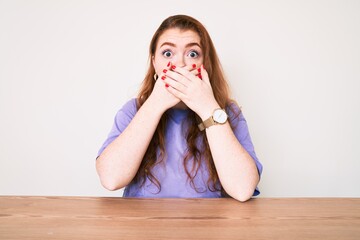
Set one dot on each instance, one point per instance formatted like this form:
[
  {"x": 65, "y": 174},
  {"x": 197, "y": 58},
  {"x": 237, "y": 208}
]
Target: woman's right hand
[{"x": 160, "y": 97}]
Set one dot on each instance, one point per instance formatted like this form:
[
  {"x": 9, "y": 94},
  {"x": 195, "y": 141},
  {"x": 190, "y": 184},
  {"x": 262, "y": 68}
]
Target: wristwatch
[{"x": 219, "y": 116}]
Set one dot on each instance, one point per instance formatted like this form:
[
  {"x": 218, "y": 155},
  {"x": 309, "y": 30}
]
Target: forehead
[{"x": 178, "y": 36}]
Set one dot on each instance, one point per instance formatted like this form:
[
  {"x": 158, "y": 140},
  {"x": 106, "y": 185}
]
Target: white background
[{"x": 66, "y": 67}]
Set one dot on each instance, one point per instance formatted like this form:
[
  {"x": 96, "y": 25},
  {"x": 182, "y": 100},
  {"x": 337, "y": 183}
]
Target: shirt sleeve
[
  {"x": 242, "y": 134},
  {"x": 122, "y": 119}
]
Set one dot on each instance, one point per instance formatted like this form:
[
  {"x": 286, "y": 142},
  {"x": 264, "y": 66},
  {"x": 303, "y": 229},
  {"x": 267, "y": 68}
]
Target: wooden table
[{"x": 126, "y": 218}]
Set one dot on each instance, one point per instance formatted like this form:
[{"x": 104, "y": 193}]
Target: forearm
[
  {"x": 236, "y": 169},
  {"x": 119, "y": 162}
]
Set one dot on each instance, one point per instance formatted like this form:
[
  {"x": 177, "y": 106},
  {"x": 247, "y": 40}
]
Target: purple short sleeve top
[{"x": 172, "y": 176}]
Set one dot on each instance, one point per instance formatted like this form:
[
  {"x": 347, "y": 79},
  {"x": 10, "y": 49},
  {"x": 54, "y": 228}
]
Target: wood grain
[{"x": 126, "y": 218}]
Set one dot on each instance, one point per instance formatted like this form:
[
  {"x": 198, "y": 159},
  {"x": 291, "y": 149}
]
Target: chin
[{"x": 181, "y": 105}]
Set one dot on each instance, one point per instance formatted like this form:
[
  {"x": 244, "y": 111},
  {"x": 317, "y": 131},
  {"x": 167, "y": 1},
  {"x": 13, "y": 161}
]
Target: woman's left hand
[{"x": 195, "y": 92}]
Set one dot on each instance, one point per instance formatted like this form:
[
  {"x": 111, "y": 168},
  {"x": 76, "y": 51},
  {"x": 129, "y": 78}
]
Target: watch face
[{"x": 220, "y": 116}]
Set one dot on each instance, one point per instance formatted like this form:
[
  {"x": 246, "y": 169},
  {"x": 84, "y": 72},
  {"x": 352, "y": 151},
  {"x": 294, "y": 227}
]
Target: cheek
[
  {"x": 160, "y": 64},
  {"x": 197, "y": 61}
]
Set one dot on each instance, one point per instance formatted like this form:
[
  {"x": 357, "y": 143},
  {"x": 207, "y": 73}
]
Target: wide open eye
[
  {"x": 193, "y": 54},
  {"x": 167, "y": 53}
]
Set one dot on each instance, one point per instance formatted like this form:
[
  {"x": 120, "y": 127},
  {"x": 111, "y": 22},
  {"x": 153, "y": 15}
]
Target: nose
[{"x": 180, "y": 61}]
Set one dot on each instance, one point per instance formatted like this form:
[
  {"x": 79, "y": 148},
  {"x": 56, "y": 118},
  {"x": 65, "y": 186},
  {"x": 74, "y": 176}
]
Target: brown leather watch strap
[{"x": 207, "y": 123}]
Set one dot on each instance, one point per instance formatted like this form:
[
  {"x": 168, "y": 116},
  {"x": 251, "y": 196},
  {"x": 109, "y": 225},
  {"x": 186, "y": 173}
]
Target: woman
[{"x": 182, "y": 136}]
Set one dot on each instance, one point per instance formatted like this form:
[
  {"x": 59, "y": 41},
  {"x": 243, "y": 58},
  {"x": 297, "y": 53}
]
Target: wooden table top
[{"x": 130, "y": 218}]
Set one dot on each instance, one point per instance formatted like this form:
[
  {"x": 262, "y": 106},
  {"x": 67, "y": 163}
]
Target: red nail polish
[
  {"x": 194, "y": 65},
  {"x": 166, "y": 85},
  {"x": 199, "y": 70},
  {"x": 164, "y": 71},
  {"x": 163, "y": 77},
  {"x": 173, "y": 67},
  {"x": 200, "y": 76},
  {"x": 168, "y": 64}
]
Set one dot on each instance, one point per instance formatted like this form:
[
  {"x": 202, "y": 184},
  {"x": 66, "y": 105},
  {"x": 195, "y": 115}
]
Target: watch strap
[{"x": 207, "y": 123}]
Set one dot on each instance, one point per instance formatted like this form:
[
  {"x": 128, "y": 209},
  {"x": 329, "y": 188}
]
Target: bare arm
[
  {"x": 119, "y": 162},
  {"x": 236, "y": 169}
]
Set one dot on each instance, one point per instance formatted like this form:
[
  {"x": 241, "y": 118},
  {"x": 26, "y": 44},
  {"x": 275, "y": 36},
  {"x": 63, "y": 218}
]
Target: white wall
[{"x": 66, "y": 67}]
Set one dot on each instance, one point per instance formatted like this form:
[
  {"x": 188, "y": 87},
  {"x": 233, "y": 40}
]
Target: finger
[
  {"x": 204, "y": 75},
  {"x": 175, "y": 92},
  {"x": 184, "y": 72},
  {"x": 195, "y": 71},
  {"x": 174, "y": 84},
  {"x": 163, "y": 72},
  {"x": 178, "y": 77},
  {"x": 190, "y": 67},
  {"x": 193, "y": 68}
]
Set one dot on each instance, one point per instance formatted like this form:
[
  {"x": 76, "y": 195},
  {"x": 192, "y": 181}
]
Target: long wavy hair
[{"x": 196, "y": 152}]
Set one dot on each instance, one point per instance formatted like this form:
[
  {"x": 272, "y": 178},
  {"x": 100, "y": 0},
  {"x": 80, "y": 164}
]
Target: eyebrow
[{"x": 187, "y": 45}]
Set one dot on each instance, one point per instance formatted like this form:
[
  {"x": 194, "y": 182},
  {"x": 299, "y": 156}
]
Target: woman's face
[{"x": 181, "y": 48}]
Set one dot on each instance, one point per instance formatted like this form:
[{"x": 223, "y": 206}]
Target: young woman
[{"x": 182, "y": 136}]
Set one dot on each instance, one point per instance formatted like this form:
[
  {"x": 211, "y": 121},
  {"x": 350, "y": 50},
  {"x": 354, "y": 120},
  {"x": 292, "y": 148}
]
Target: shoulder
[
  {"x": 126, "y": 113},
  {"x": 129, "y": 108},
  {"x": 130, "y": 105}
]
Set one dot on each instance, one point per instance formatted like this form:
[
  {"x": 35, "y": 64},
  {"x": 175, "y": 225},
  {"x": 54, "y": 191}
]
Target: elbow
[
  {"x": 242, "y": 195},
  {"x": 244, "y": 192},
  {"x": 108, "y": 181},
  {"x": 110, "y": 185}
]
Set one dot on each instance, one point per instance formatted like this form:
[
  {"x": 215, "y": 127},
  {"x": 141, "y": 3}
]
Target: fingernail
[
  {"x": 173, "y": 67},
  {"x": 202, "y": 65},
  {"x": 163, "y": 77},
  {"x": 166, "y": 85},
  {"x": 199, "y": 70},
  {"x": 200, "y": 76},
  {"x": 164, "y": 71},
  {"x": 168, "y": 64},
  {"x": 194, "y": 65}
]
